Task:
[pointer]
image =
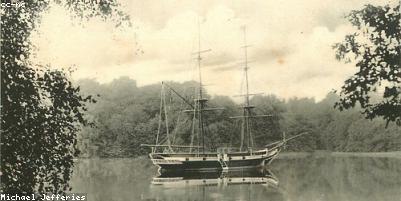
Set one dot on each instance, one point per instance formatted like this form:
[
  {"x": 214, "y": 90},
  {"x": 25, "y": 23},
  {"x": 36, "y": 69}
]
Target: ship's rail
[
  {"x": 166, "y": 161},
  {"x": 258, "y": 152}
]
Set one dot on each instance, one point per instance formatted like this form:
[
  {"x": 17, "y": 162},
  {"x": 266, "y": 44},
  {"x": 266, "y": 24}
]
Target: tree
[
  {"x": 41, "y": 109},
  {"x": 376, "y": 49},
  {"x": 266, "y": 130}
]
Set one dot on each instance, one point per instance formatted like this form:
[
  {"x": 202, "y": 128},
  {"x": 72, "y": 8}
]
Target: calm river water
[{"x": 314, "y": 177}]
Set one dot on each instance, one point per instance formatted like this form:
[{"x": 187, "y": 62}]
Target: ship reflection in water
[
  {"x": 232, "y": 185},
  {"x": 300, "y": 178},
  {"x": 183, "y": 179}
]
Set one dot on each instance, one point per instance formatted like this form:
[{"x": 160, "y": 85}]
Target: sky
[{"x": 290, "y": 42}]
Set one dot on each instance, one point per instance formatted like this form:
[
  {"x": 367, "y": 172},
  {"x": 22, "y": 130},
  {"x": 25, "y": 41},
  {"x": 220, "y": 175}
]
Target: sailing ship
[{"x": 197, "y": 158}]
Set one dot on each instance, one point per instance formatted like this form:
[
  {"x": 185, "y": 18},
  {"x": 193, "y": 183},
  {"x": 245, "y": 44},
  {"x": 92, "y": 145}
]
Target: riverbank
[
  {"x": 394, "y": 154},
  {"x": 284, "y": 155}
]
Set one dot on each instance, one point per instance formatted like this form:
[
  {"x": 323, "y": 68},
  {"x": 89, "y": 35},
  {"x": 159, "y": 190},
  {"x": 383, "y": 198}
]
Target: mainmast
[
  {"x": 247, "y": 107},
  {"x": 201, "y": 102}
]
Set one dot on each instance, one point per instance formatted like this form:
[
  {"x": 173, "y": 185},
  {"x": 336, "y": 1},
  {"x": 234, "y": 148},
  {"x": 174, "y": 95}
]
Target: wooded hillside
[{"x": 127, "y": 115}]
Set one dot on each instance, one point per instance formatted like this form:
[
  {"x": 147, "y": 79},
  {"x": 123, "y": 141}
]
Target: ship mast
[
  {"x": 247, "y": 107},
  {"x": 201, "y": 102}
]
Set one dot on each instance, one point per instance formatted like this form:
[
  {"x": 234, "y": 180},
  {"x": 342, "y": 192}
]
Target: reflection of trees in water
[
  {"x": 112, "y": 179},
  {"x": 339, "y": 178},
  {"x": 308, "y": 178},
  {"x": 246, "y": 192},
  {"x": 130, "y": 179},
  {"x": 233, "y": 185}
]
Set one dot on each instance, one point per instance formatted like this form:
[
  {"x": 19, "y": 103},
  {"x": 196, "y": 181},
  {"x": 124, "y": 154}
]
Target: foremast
[
  {"x": 200, "y": 101},
  {"x": 198, "y": 108},
  {"x": 247, "y": 108}
]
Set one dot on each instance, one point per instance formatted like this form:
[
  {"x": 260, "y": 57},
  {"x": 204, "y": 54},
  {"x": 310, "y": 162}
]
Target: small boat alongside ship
[{"x": 165, "y": 155}]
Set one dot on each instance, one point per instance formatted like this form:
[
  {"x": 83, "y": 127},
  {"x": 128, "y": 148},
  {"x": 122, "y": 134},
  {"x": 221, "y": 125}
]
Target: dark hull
[
  {"x": 193, "y": 165},
  {"x": 215, "y": 165},
  {"x": 212, "y": 162}
]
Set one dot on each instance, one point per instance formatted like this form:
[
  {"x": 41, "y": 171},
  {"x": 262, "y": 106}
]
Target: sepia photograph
[{"x": 200, "y": 100}]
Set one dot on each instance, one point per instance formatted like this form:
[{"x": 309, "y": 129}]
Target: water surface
[{"x": 304, "y": 178}]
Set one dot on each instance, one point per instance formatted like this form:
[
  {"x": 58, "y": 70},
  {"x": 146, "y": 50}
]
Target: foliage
[
  {"x": 126, "y": 121},
  {"x": 267, "y": 129},
  {"x": 376, "y": 49},
  {"x": 41, "y": 109}
]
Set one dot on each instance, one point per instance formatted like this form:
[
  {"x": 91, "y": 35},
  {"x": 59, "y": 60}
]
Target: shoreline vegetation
[
  {"x": 322, "y": 153},
  {"x": 289, "y": 155},
  {"x": 392, "y": 154},
  {"x": 127, "y": 115}
]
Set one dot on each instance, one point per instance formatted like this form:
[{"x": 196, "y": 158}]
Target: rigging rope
[
  {"x": 178, "y": 120},
  {"x": 160, "y": 118},
  {"x": 242, "y": 132},
  {"x": 193, "y": 129},
  {"x": 166, "y": 120}
]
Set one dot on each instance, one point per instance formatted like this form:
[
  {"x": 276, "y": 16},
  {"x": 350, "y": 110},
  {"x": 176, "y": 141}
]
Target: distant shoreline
[
  {"x": 392, "y": 154},
  {"x": 284, "y": 155}
]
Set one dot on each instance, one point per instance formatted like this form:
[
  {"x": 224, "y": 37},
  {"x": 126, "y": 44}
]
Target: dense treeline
[{"x": 127, "y": 115}]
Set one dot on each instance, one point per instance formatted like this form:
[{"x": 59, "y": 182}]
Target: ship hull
[{"x": 213, "y": 161}]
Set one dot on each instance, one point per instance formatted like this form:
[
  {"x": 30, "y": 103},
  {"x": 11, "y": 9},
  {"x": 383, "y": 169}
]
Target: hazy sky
[{"x": 291, "y": 42}]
